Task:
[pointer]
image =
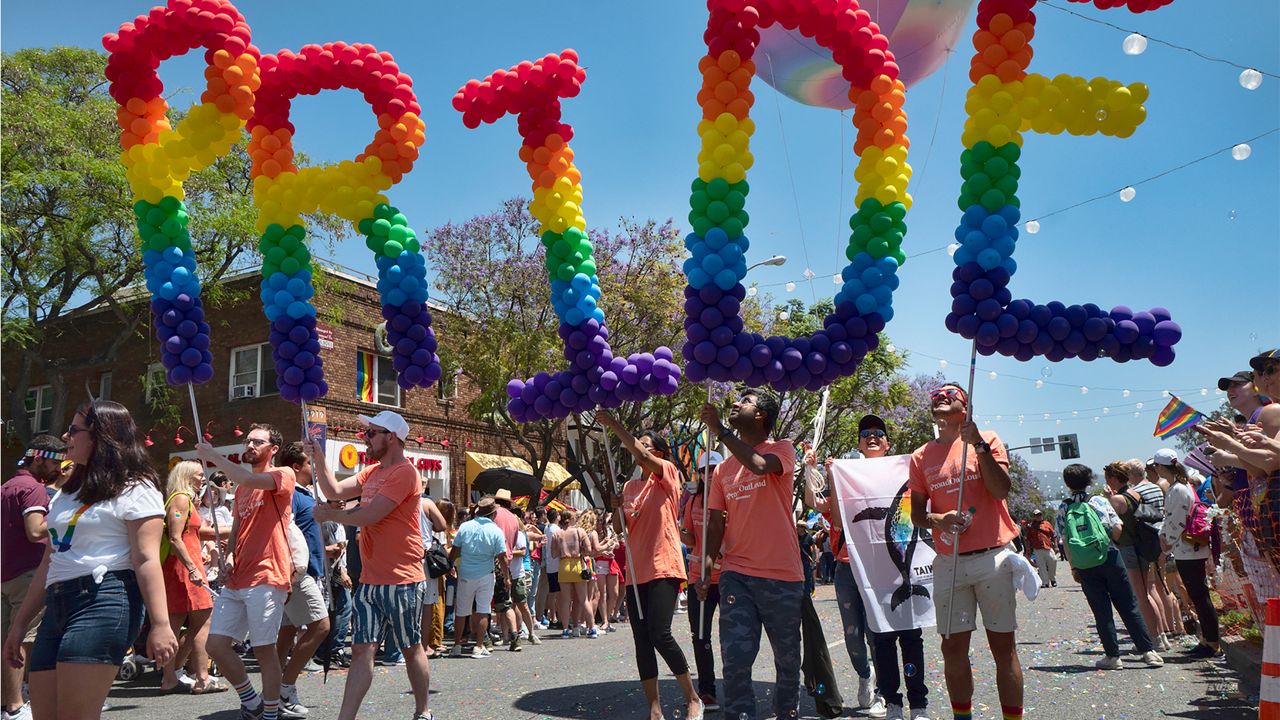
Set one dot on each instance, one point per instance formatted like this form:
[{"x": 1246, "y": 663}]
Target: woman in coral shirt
[{"x": 656, "y": 569}]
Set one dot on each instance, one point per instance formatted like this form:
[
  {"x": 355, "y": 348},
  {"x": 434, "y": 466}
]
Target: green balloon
[
  {"x": 1007, "y": 185},
  {"x": 157, "y": 242},
  {"x": 588, "y": 267},
  {"x": 290, "y": 244},
  {"x": 718, "y": 188},
  {"x": 1010, "y": 152},
  {"x": 881, "y": 223},
  {"x": 878, "y": 248},
  {"x": 735, "y": 200},
  {"x": 585, "y": 247},
  {"x": 869, "y": 207},
  {"x": 398, "y": 233},
  {"x": 900, "y": 256},
  {"x": 170, "y": 204},
  {"x": 701, "y": 225},
  {"x": 276, "y": 255},
  {"x": 297, "y": 231},
  {"x": 698, "y": 201},
  {"x": 399, "y": 219},
  {"x": 392, "y": 249},
  {"x": 381, "y": 227},
  {"x": 269, "y": 269},
  {"x": 156, "y": 216},
  {"x": 993, "y": 200},
  {"x": 289, "y": 266},
  {"x": 412, "y": 245},
  {"x": 741, "y": 186},
  {"x": 273, "y": 232},
  {"x": 374, "y": 244},
  {"x": 365, "y": 226},
  {"x": 561, "y": 248},
  {"x": 982, "y": 151},
  {"x": 383, "y": 211},
  {"x": 896, "y": 210},
  {"x": 733, "y": 226},
  {"x": 978, "y": 184},
  {"x": 565, "y": 272},
  {"x": 549, "y": 238},
  {"x": 862, "y": 233},
  {"x": 997, "y": 167},
  {"x": 698, "y": 185},
  {"x": 717, "y": 211}
]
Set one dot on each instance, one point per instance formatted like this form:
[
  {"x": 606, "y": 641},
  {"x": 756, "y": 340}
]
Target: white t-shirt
[
  {"x": 95, "y": 540},
  {"x": 224, "y": 516},
  {"x": 517, "y": 561},
  {"x": 552, "y": 563}
]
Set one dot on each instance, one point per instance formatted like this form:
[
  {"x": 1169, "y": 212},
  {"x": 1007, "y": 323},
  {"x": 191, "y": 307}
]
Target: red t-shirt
[
  {"x": 262, "y": 547},
  {"x": 760, "y": 530},
  {"x": 653, "y": 533},
  {"x": 391, "y": 549},
  {"x": 836, "y": 537},
  {"x": 935, "y": 474},
  {"x": 1040, "y": 535}
]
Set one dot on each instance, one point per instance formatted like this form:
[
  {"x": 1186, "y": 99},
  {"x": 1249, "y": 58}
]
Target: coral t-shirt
[
  {"x": 391, "y": 549},
  {"x": 693, "y": 523},
  {"x": 653, "y": 532},
  {"x": 836, "y": 537},
  {"x": 935, "y": 473},
  {"x": 262, "y": 554},
  {"x": 760, "y": 530}
]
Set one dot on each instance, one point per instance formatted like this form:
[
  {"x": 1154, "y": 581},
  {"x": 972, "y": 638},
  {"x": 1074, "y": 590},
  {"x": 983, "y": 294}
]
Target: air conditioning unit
[{"x": 242, "y": 391}]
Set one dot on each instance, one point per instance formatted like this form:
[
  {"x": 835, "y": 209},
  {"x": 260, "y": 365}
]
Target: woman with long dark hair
[
  {"x": 656, "y": 567},
  {"x": 102, "y": 566}
]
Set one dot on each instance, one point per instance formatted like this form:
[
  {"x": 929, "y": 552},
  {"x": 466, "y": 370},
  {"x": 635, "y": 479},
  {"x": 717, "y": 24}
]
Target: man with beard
[
  {"x": 391, "y": 577},
  {"x": 24, "y": 507},
  {"x": 974, "y": 546},
  {"x": 752, "y": 531},
  {"x": 259, "y": 569}
]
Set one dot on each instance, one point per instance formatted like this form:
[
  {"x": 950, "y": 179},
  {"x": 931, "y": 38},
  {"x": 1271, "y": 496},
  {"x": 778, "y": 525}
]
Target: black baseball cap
[
  {"x": 872, "y": 421},
  {"x": 1259, "y": 361},
  {"x": 1245, "y": 376}
]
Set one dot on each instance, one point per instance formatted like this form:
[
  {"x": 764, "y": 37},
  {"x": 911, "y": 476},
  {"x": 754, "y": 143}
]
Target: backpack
[
  {"x": 1197, "y": 530},
  {"x": 1087, "y": 541},
  {"x": 1145, "y": 537}
]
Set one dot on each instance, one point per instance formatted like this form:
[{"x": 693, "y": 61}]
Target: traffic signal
[{"x": 1068, "y": 447}]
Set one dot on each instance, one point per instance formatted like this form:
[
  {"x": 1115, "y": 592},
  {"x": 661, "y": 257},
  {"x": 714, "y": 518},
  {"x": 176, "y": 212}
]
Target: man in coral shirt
[
  {"x": 974, "y": 546},
  {"x": 391, "y": 578},
  {"x": 752, "y": 532},
  {"x": 260, "y": 568}
]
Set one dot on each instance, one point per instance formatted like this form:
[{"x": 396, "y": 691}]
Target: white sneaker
[
  {"x": 894, "y": 712},
  {"x": 921, "y": 714},
  {"x": 534, "y": 639},
  {"x": 292, "y": 711},
  {"x": 878, "y": 709},
  {"x": 184, "y": 678},
  {"x": 456, "y": 652},
  {"x": 479, "y": 652},
  {"x": 1163, "y": 644},
  {"x": 1152, "y": 659},
  {"x": 1109, "y": 663},
  {"x": 22, "y": 713},
  {"x": 524, "y": 634},
  {"x": 539, "y": 626},
  {"x": 866, "y": 691}
]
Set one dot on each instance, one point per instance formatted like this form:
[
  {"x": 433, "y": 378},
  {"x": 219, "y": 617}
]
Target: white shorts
[
  {"x": 255, "y": 612},
  {"x": 477, "y": 592},
  {"x": 431, "y": 588},
  {"x": 306, "y": 604},
  {"x": 984, "y": 581}
]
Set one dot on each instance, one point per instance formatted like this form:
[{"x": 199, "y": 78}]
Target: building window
[
  {"x": 376, "y": 380},
  {"x": 40, "y": 408},
  {"x": 447, "y": 387},
  {"x": 154, "y": 384},
  {"x": 104, "y": 386},
  {"x": 253, "y": 374}
]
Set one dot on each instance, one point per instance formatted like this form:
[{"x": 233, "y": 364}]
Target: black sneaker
[
  {"x": 557, "y": 625},
  {"x": 1202, "y": 651}
]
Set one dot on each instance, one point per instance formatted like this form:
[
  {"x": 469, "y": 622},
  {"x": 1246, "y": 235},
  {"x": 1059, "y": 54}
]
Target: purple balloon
[{"x": 1166, "y": 333}]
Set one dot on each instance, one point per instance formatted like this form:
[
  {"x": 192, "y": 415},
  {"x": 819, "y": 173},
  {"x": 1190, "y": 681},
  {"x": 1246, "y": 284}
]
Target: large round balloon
[{"x": 919, "y": 31}]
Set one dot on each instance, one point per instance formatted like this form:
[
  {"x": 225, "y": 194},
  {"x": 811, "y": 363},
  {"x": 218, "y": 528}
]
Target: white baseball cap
[
  {"x": 389, "y": 420},
  {"x": 1165, "y": 456},
  {"x": 712, "y": 459}
]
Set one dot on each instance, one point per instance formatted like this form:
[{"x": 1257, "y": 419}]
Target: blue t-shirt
[
  {"x": 479, "y": 541},
  {"x": 304, "y": 517}
]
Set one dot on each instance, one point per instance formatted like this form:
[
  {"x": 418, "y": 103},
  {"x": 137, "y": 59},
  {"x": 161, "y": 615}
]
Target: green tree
[
  {"x": 1024, "y": 494},
  {"x": 69, "y": 240},
  {"x": 1187, "y": 441}
]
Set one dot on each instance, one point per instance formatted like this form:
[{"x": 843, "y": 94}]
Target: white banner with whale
[{"x": 892, "y": 561}]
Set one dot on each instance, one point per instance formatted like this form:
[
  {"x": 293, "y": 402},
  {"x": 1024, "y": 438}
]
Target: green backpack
[
  {"x": 1087, "y": 541},
  {"x": 165, "y": 543}
]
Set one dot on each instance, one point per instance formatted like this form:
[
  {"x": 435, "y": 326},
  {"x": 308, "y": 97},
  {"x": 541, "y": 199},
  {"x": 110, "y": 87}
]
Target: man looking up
[
  {"x": 973, "y": 546},
  {"x": 259, "y": 568},
  {"x": 752, "y": 531},
  {"x": 391, "y": 576}
]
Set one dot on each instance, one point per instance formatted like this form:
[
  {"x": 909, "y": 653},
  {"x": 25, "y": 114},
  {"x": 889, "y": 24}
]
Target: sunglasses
[
  {"x": 73, "y": 430},
  {"x": 864, "y": 434},
  {"x": 367, "y": 433},
  {"x": 255, "y": 442},
  {"x": 947, "y": 391}
]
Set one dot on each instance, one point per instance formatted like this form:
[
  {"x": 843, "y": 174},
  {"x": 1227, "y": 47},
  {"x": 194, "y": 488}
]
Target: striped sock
[
  {"x": 248, "y": 696},
  {"x": 271, "y": 709},
  {"x": 1011, "y": 712},
  {"x": 962, "y": 711}
]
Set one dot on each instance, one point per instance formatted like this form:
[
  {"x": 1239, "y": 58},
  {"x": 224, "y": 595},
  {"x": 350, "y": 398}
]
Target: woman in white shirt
[
  {"x": 102, "y": 565},
  {"x": 1192, "y": 558}
]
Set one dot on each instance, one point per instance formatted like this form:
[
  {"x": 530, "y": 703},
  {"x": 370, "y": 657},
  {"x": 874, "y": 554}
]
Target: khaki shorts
[
  {"x": 984, "y": 581},
  {"x": 12, "y": 593},
  {"x": 305, "y": 605}
]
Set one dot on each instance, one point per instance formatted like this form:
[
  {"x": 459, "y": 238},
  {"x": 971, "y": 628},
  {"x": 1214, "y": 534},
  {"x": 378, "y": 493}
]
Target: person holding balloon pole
[
  {"x": 969, "y": 517},
  {"x": 693, "y": 524},
  {"x": 752, "y": 532},
  {"x": 656, "y": 568}
]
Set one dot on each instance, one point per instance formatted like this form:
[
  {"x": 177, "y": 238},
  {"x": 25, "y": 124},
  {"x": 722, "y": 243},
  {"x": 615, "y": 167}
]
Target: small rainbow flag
[
  {"x": 1175, "y": 417},
  {"x": 364, "y": 377}
]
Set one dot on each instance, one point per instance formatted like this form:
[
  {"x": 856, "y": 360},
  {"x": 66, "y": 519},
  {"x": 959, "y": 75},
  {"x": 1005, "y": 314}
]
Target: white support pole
[
  {"x": 631, "y": 576},
  {"x": 964, "y": 470}
]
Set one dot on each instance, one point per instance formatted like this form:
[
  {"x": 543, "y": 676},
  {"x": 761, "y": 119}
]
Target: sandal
[{"x": 214, "y": 685}]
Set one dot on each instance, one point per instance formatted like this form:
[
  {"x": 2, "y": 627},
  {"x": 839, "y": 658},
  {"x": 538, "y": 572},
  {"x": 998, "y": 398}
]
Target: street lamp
[{"x": 774, "y": 261}]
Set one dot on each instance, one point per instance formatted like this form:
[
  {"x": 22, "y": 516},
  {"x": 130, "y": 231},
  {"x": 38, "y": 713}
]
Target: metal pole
[
  {"x": 213, "y": 511},
  {"x": 964, "y": 470},
  {"x": 704, "y": 562},
  {"x": 631, "y": 576}
]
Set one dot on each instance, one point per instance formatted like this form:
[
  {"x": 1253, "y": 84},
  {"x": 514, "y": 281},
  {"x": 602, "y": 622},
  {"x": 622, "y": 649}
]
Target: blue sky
[{"x": 1198, "y": 241}]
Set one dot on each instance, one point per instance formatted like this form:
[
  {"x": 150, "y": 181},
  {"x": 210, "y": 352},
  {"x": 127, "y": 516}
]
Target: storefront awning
[{"x": 554, "y": 475}]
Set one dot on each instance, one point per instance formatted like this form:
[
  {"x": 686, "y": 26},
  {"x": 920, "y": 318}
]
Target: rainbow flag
[
  {"x": 1175, "y": 417},
  {"x": 364, "y": 377}
]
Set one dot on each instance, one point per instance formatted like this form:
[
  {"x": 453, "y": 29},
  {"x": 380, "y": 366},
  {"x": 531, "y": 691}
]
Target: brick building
[{"x": 243, "y": 389}]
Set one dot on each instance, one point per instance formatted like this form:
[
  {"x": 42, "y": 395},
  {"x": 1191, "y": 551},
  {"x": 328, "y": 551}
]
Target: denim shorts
[{"x": 88, "y": 622}]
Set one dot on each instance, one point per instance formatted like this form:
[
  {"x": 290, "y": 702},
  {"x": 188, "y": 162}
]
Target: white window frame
[
  {"x": 377, "y": 369},
  {"x": 264, "y": 356},
  {"x": 447, "y": 387},
  {"x": 154, "y": 381},
  {"x": 104, "y": 386},
  {"x": 33, "y": 416}
]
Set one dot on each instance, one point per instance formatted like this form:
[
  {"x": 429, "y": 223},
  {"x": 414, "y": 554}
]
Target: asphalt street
[{"x": 587, "y": 679}]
